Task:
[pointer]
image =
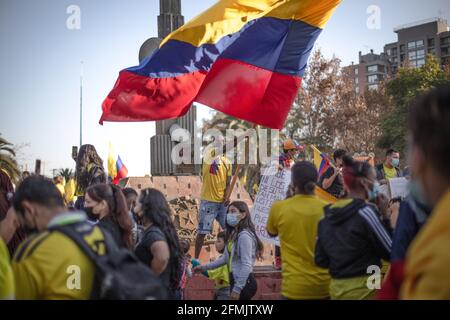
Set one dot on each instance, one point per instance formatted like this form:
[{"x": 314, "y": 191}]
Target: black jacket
[
  {"x": 379, "y": 169},
  {"x": 350, "y": 238}
]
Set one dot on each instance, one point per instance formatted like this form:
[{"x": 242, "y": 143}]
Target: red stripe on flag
[
  {"x": 139, "y": 98},
  {"x": 248, "y": 92}
]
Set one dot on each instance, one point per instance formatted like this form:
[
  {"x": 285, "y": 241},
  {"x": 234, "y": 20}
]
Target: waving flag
[
  {"x": 245, "y": 58},
  {"x": 321, "y": 161},
  {"x": 116, "y": 168}
]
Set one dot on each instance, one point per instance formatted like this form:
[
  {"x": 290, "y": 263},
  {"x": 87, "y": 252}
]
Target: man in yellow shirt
[
  {"x": 49, "y": 265},
  {"x": 216, "y": 177},
  {"x": 427, "y": 267},
  {"x": 8, "y": 226},
  {"x": 390, "y": 168},
  {"x": 295, "y": 221}
]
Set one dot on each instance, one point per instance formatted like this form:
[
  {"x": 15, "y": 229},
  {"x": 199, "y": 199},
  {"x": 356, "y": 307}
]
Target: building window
[
  {"x": 431, "y": 42},
  {"x": 356, "y": 71},
  {"x": 357, "y": 89},
  {"x": 412, "y": 55},
  {"x": 411, "y": 45},
  {"x": 373, "y": 68},
  {"x": 372, "y": 79},
  {"x": 445, "y": 40},
  {"x": 394, "y": 51},
  {"x": 402, "y": 48},
  {"x": 420, "y": 54},
  {"x": 356, "y": 80},
  {"x": 402, "y": 57},
  {"x": 419, "y": 43},
  {"x": 373, "y": 87},
  {"x": 420, "y": 63},
  {"x": 432, "y": 51},
  {"x": 388, "y": 52}
]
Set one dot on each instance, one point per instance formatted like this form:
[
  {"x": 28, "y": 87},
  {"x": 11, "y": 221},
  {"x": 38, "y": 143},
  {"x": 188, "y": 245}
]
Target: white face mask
[
  {"x": 395, "y": 162},
  {"x": 233, "y": 219}
]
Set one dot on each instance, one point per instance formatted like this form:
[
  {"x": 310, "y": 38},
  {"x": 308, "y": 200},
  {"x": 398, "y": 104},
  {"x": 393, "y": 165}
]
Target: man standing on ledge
[
  {"x": 216, "y": 177},
  {"x": 390, "y": 168}
]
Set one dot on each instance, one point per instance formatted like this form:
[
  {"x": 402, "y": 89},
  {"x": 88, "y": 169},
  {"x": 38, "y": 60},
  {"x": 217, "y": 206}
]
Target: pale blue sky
[{"x": 40, "y": 67}]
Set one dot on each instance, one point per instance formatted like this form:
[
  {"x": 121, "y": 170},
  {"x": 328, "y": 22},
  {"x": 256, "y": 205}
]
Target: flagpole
[
  {"x": 235, "y": 177},
  {"x": 81, "y": 104}
]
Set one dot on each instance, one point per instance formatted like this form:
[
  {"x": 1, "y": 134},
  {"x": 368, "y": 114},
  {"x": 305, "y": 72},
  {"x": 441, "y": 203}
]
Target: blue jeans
[{"x": 210, "y": 211}]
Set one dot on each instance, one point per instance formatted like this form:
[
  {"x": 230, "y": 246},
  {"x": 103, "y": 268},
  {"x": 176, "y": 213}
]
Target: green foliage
[
  {"x": 8, "y": 162},
  {"x": 403, "y": 89}
]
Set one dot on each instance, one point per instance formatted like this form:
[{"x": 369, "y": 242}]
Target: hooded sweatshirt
[{"x": 351, "y": 237}]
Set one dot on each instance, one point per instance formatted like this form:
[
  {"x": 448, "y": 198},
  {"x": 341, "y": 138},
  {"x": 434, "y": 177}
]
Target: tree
[
  {"x": 403, "y": 89},
  {"x": 316, "y": 95},
  {"x": 8, "y": 162},
  {"x": 330, "y": 114}
]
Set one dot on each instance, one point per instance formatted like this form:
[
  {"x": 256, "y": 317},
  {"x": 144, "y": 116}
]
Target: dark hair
[
  {"x": 185, "y": 245},
  {"x": 304, "y": 177},
  {"x": 129, "y": 192},
  {"x": 89, "y": 169},
  {"x": 245, "y": 223},
  {"x": 37, "y": 189},
  {"x": 429, "y": 123},
  {"x": 339, "y": 153},
  {"x": 390, "y": 152},
  {"x": 222, "y": 235},
  {"x": 6, "y": 192},
  {"x": 118, "y": 210},
  {"x": 156, "y": 209},
  {"x": 354, "y": 170}
]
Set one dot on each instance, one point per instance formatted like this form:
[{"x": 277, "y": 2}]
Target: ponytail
[
  {"x": 117, "y": 205},
  {"x": 304, "y": 177},
  {"x": 120, "y": 214}
]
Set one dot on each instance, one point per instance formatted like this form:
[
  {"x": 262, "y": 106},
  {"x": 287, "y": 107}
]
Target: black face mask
[{"x": 90, "y": 214}]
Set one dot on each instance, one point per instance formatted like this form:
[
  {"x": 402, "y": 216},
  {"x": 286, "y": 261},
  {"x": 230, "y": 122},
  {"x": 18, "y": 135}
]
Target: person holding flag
[{"x": 331, "y": 180}]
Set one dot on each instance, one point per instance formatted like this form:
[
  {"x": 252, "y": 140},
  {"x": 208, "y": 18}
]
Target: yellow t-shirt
[
  {"x": 427, "y": 268},
  {"x": 215, "y": 173},
  {"x": 389, "y": 173},
  {"x": 50, "y": 266},
  {"x": 6, "y": 274},
  {"x": 295, "y": 221}
]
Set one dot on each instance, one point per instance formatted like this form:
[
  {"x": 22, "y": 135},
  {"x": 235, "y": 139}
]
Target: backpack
[{"x": 119, "y": 275}]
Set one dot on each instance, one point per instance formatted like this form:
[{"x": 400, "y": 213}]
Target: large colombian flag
[{"x": 245, "y": 58}]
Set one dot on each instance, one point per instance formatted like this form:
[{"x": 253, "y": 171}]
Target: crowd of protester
[{"x": 363, "y": 246}]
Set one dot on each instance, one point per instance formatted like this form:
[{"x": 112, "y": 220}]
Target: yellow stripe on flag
[
  {"x": 112, "y": 168},
  {"x": 325, "y": 196},
  {"x": 229, "y": 16}
]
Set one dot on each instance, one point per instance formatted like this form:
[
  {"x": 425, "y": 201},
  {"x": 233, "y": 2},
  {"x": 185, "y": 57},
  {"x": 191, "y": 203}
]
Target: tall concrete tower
[{"x": 170, "y": 19}]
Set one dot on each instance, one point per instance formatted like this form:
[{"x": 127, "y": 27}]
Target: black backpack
[{"x": 119, "y": 275}]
